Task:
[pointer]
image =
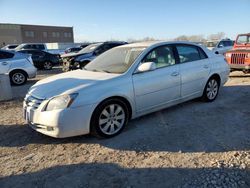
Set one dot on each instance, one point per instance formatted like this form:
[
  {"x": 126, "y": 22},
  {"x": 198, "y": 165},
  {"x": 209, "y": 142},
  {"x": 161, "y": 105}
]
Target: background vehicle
[
  {"x": 223, "y": 46},
  {"x": 84, "y": 45},
  {"x": 83, "y": 57},
  {"x": 18, "y": 66},
  {"x": 37, "y": 46},
  {"x": 73, "y": 49},
  {"x": 10, "y": 47},
  {"x": 41, "y": 59},
  {"x": 211, "y": 44},
  {"x": 121, "y": 84},
  {"x": 239, "y": 57}
]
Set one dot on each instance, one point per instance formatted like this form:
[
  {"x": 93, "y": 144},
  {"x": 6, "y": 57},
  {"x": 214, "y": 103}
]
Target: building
[{"x": 20, "y": 33}]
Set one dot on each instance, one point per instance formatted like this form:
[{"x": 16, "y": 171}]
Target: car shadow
[
  {"x": 112, "y": 175},
  {"x": 193, "y": 126}
]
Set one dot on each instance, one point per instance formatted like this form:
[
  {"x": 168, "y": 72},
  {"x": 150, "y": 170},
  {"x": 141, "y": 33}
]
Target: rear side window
[
  {"x": 188, "y": 53},
  {"x": 37, "y": 53},
  {"x": 6, "y": 55},
  {"x": 40, "y": 47}
]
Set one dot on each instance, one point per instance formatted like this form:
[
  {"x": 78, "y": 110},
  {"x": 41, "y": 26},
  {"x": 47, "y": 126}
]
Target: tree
[{"x": 217, "y": 36}]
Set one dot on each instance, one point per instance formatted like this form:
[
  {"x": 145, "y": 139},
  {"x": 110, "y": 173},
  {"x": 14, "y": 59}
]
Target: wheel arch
[
  {"x": 121, "y": 98},
  {"x": 17, "y": 70},
  {"x": 216, "y": 76}
]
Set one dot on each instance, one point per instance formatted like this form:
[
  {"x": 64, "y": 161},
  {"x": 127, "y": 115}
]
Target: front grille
[
  {"x": 32, "y": 101},
  {"x": 238, "y": 58}
]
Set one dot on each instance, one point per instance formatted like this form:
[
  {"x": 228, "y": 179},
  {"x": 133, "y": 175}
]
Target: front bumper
[
  {"x": 239, "y": 67},
  {"x": 59, "y": 123}
]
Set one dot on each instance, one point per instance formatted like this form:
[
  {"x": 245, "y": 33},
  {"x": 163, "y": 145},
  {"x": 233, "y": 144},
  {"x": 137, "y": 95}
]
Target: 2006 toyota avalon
[{"x": 123, "y": 83}]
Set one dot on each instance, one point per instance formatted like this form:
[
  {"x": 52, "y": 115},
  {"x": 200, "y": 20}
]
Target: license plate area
[{"x": 28, "y": 114}]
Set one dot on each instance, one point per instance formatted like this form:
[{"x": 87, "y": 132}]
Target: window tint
[
  {"x": 189, "y": 53},
  {"x": 226, "y": 43},
  {"x": 162, "y": 56},
  {"x": 27, "y": 46},
  {"x": 102, "y": 49},
  {"x": 37, "y": 53},
  {"x": 40, "y": 46},
  {"x": 203, "y": 55},
  {"x": 6, "y": 55}
]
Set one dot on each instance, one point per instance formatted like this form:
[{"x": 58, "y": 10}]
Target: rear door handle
[
  {"x": 4, "y": 63},
  {"x": 175, "y": 74},
  {"x": 206, "y": 66}
]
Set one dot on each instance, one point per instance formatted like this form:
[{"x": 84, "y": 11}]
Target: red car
[{"x": 239, "y": 57}]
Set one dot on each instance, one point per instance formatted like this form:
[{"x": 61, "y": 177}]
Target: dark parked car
[
  {"x": 73, "y": 49},
  {"x": 42, "y": 59},
  {"x": 73, "y": 61},
  {"x": 10, "y": 47}
]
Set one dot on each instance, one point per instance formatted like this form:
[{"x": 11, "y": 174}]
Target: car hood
[
  {"x": 67, "y": 83},
  {"x": 73, "y": 54}
]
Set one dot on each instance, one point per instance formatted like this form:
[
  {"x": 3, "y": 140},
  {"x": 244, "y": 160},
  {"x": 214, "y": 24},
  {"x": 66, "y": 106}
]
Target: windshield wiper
[{"x": 106, "y": 71}]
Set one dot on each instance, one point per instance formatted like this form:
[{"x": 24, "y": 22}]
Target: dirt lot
[{"x": 194, "y": 144}]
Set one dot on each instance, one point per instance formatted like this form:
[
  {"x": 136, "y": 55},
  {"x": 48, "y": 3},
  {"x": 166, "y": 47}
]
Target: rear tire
[
  {"x": 18, "y": 77},
  {"x": 109, "y": 118},
  {"x": 211, "y": 90},
  {"x": 47, "y": 65}
]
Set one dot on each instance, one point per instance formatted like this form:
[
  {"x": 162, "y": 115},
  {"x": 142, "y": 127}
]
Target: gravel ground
[{"x": 194, "y": 144}]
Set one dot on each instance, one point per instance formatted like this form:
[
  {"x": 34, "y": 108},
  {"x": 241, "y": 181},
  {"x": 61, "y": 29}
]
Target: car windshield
[
  {"x": 243, "y": 39},
  {"x": 90, "y": 48},
  {"x": 19, "y": 47},
  {"x": 226, "y": 43},
  {"x": 117, "y": 60}
]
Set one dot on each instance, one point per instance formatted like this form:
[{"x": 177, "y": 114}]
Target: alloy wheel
[{"x": 112, "y": 119}]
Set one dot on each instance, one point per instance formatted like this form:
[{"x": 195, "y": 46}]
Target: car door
[
  {"x": 5, "y": 61},
  {"x": 37, "y": 56},
  {"x": 160, "y": 86},
  {"x": 194, "y": 69}
]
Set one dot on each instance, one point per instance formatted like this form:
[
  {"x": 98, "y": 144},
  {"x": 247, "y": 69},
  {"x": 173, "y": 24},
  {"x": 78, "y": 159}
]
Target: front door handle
[
  {"x": 4, "y": 63},
  {"x": 206, "y": 66},
  {"x": 175, "y": 74}
]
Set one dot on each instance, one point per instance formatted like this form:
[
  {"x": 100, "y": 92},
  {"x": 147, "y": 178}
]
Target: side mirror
[
  {"x": 147, "y": 66},
  {"x": 220, "y": 46}
]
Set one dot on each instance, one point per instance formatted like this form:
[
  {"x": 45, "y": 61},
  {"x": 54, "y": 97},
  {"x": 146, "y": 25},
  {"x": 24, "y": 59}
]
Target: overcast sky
[{"x": 98, "y": 20}]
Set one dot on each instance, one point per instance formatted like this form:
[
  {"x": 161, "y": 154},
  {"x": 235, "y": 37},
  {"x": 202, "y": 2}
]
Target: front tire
[
  {"x": 211, "y": 90},
  {"x": 109, "y": 118}
]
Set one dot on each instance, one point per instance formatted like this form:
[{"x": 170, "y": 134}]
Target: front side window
[
  {"x": 243, "y": 39},
  {"x": 188, "y": 53},
  {"x": 40, "y": 47},
  {"x": 27, "y": 47},
  {"x": 162, "y": 56}
]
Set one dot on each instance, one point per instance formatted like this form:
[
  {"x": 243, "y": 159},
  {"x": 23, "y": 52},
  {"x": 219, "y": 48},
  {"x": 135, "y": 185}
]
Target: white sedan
[{"x": 122, "y": 84}]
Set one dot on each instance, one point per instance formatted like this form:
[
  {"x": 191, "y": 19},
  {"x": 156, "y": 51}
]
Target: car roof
[{"x": 152, "y": 43}]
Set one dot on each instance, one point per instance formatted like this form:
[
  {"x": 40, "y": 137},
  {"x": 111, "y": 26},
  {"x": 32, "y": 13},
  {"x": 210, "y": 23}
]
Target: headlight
[
  {"x": 60, "y": 102},
  {"x": 228, "y": 55}
]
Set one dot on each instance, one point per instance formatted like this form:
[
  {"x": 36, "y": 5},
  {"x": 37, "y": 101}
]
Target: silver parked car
[
  {"x": 123, "y": 83},
  {"x": 19, "y": 66}
]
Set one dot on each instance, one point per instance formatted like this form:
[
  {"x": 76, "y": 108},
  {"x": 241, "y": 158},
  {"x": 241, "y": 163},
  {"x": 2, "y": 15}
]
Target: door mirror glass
[
  {"x": 147, "y": 66},
  {"x": 220, "y": 46}
]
